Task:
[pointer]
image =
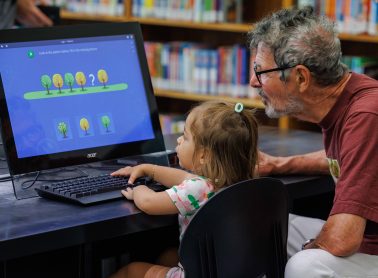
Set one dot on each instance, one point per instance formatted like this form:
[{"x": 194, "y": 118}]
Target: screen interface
[{"x": 72, "y": 94}]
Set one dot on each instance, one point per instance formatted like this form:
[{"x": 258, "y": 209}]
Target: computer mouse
[{"x": 140, "y": 181}]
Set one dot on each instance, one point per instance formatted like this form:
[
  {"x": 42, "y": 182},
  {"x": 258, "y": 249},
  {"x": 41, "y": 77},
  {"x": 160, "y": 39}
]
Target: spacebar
[{"x": 111, "y": 195}]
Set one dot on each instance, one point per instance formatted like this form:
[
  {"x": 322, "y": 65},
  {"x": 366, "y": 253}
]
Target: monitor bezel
[{"x": 44, "y": 162}]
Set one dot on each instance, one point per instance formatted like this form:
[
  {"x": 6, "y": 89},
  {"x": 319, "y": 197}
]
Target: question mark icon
[{"x": 93, "y": 78}]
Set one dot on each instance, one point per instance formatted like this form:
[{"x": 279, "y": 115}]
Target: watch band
[{"x": 307, "y": 242}]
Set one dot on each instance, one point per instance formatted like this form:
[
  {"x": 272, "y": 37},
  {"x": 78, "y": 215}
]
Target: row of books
[
  {"x": 193, "y": 68},
  {"x": 100, "y": 7},
  {"x": 366, "y": 65},
  {"x": 190, "y": 10},
  {"x": 351, "y": 16},
  {"x": 172, "y": 123}
]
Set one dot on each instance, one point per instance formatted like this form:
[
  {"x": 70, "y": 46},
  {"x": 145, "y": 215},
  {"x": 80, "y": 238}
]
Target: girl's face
[{"x": 185, "y": 147}]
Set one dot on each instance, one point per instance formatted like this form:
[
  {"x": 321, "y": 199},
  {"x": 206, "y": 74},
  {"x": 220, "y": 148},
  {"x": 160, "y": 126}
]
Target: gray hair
[{"x": 298, "y": 36}]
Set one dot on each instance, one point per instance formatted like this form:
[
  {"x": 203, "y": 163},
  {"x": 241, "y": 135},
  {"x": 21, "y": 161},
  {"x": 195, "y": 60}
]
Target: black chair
[{"x": 240, "y": 232}]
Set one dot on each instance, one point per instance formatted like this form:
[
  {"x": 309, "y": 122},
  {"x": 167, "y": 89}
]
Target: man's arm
[
  {"x": 29, "y": 15},
  {"x": 311, "y": 163},
  {"x": 341, "y": 235}
]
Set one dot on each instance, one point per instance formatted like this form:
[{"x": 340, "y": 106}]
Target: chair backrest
[{"x": 240, "y": 232}]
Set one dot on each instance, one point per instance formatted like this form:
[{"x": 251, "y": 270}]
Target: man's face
[{"x": 276, "y": 88}]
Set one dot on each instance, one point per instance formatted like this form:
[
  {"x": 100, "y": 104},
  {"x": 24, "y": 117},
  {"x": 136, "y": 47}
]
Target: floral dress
[{"x": 188, "y": 197}]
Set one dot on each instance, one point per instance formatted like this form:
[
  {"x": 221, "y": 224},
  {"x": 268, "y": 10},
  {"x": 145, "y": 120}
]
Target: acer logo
[{"x": 91, "y": 155}]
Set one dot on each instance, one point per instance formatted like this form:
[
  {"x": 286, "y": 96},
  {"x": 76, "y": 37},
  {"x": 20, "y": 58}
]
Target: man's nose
[{"x": 253, "y": 81}]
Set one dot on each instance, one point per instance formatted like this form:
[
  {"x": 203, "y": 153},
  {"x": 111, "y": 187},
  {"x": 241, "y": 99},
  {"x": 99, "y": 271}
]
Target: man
[
  {"x": 25, "y": 11},
  {"x": 297, "y": 71}
]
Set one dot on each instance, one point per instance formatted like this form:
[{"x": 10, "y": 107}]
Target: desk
[{"x": 36, "y": 225}]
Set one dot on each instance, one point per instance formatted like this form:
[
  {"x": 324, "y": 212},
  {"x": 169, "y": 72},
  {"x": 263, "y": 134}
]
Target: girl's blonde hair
[{"x": 229, "y": 139}]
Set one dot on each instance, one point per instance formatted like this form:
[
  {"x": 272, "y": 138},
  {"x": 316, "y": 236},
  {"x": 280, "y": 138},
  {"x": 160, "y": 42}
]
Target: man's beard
[{"x": 293, "y": 107}]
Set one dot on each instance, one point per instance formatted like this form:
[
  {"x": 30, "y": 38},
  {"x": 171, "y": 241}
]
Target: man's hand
[
  {"x": 265, "y": 164},
  {"x": 29, "y": 15},
  {"x": 341, "y": 235}
]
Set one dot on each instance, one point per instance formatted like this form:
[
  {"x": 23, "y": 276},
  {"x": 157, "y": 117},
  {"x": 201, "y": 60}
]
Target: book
[{"x": 233, "y": 10}]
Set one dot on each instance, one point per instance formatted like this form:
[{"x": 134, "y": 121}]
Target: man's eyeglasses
[{"x": 258, "y": 73}]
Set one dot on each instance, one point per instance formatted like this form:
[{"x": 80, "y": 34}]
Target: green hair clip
[{"x": 239, "y": 107}]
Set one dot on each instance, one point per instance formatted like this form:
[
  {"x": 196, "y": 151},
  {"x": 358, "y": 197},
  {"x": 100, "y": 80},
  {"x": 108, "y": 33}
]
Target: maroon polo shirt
[{"x": 350, "y": 132}]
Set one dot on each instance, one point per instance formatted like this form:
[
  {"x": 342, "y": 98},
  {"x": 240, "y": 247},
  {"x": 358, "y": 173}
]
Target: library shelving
[{"x": 215, "y": 34}]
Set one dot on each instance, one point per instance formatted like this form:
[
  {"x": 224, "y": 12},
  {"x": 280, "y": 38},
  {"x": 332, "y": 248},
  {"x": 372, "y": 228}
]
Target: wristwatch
[{"x": 307, "y": 242}]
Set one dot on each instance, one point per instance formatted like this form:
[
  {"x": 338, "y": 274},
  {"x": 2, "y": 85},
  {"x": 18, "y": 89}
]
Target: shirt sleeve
[
  {"x": 190, "y": 195},
  {"x": 357, "y": 187}
]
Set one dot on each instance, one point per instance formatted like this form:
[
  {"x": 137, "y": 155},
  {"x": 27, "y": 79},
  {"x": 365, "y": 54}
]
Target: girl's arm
[
  {"x": 164, "y": 175},
  {"x": 149, "y": 201}
]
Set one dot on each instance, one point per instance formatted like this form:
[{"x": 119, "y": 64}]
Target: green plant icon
[
  {"x": 105, "y": 120},
  {"x": 69, "y": 80},
  {"x": 46, "y": 82},
  {"x": 62, "y": 128}
]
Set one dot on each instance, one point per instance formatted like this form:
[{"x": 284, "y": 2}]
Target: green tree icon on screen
[
  {"x": 69, "y": 80},
  {"x": 62, "y": 128},
  {"x": 105, "y": 120},
  {"x": 102, "y": 76},
  {"x": 80, "y": 79},
  {"x": 84, "y": 125},
  {"x": 58, "y": 81},
  {"x": 46, "y": 82}
]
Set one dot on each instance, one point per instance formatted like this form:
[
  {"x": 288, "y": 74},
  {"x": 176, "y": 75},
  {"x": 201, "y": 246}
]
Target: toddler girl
[{"x": 218, "y": 148}]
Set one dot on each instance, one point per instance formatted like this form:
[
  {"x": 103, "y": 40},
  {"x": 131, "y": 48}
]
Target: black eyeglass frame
[{"x": 258, "y": 73}]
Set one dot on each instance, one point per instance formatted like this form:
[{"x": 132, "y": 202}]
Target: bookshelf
[
  {"x": 216, "y": 34},
  {"x": 225, "y": 27},
  {"x": 251, "y": 103}
]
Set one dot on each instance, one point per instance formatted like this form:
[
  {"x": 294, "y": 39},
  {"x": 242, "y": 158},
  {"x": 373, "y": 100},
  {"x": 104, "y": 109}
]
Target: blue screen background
[{"x": 35, "y": 122}]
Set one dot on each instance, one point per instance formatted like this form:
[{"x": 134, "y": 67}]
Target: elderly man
[{"x": 298, "y": 72}]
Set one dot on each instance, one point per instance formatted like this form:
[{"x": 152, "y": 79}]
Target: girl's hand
[
  {"x": 128, "y": 193},
  {"x": 133, "y": 172}
]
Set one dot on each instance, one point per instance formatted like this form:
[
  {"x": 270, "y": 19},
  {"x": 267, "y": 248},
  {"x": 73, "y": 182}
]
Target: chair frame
[{"x": 240, "y": 232}]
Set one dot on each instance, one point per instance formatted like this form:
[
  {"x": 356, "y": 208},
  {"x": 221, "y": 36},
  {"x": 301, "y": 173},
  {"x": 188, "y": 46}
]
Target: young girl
[{"x": 218, "y": 148}]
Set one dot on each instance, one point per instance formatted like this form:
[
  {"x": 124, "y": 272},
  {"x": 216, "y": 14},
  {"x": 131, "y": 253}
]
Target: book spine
[
  {"x": 373, "y": 18},
  {"x": 213, "y": 72}
]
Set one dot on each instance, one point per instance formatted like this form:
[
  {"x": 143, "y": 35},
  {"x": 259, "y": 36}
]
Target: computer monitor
[{"x": 75, "y": 94}]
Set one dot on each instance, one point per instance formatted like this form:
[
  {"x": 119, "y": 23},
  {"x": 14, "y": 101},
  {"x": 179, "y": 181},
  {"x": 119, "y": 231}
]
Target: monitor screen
[{"x": 75, "y": 94}]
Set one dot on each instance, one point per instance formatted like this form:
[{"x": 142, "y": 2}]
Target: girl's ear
[{"x": 202, "y": 155}]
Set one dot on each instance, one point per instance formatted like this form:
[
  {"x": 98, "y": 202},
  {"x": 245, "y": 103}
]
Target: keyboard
[{"x": 93, "y": 189}]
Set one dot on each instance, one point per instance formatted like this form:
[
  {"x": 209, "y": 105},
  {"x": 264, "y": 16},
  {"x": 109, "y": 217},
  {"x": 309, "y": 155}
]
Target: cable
[
  {"x": 33, "y": 181},
  {"x": 4, "y": 179},
  {"x": 5, "y": 269}
]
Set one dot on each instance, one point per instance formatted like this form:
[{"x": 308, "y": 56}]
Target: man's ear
[{"x": 302, "y": 77}]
